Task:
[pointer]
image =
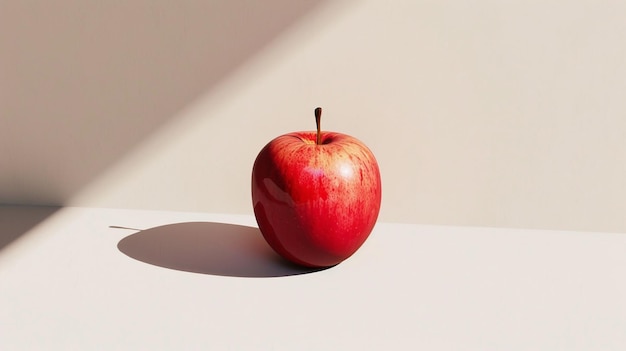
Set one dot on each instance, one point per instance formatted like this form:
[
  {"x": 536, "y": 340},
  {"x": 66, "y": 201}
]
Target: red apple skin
[{"x": 316, "y": 204}]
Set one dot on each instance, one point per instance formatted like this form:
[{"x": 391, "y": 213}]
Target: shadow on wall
[
  {"x": 81, "y": 83},
  {"x": 16, "y": 221},
  {"x": 209, "y": 248}
]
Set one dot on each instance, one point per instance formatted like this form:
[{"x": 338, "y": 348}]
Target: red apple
[{"x": 316, "y": 195}]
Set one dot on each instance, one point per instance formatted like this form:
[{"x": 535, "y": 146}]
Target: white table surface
[{"x": 199, "y": 281}]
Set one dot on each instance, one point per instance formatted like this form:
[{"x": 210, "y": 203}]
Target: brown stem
[{"x": 318, "y": 117}]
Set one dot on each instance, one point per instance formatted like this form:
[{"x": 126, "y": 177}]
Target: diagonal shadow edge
[
  {"x": 17, "y": 220},
  {"x": 130, "y": 85},
  {"x": 212, "y": 248}
]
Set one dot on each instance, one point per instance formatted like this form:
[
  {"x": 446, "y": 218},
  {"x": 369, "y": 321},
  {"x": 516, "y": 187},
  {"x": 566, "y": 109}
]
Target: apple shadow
[{"x": 209, "y": 248}]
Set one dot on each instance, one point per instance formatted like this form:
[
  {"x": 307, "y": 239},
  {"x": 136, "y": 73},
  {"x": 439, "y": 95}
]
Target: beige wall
[{"x": 490, "y": 113}]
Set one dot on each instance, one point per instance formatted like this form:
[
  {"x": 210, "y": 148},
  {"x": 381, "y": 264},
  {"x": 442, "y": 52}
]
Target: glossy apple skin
[{"x": 316, "y": 204}]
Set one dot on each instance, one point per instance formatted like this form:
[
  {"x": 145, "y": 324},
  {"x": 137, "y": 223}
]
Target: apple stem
[{"x": 318, "y": 118}]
